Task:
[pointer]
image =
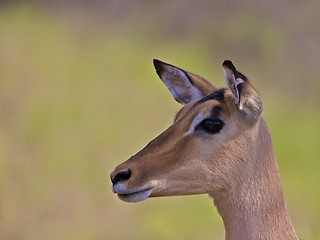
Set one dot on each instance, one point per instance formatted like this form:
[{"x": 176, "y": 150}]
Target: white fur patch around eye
[{"x": 198, "y": 119}]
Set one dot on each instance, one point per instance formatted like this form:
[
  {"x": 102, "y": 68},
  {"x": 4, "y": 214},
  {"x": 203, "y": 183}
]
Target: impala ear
[
  {"x": 184, "y": 86},
  {"x": 246, "y": 97}
]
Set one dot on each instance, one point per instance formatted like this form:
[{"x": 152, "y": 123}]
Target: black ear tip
[
  {"x": 229, "y": 64},
  {"x": 155, "y": 61},
  {"x": 157, "y": 65}
]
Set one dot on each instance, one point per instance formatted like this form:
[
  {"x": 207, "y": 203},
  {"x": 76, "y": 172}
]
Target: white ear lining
[
  {"x": 228, "y": 74},
  {"x": 170, "y": 88},
  {"x": 237, "y": 82},
  {"x": 182, "y": 91}
]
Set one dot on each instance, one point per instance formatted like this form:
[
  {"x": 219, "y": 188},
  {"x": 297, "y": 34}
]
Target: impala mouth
[{"x": 136, "y": 195}]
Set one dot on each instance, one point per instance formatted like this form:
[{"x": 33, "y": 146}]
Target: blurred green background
[{"x": 79, "y": 95}]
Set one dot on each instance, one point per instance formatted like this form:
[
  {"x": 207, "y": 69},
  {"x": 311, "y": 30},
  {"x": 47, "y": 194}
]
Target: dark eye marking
[
  {"x": 210, "y": 125},
  {"x": 218, "y": 95},
  {"x": 216, "y": 111}
]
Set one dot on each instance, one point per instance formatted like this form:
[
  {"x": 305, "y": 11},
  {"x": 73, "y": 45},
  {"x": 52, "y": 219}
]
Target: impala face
[{"x": 196, "y": 154}]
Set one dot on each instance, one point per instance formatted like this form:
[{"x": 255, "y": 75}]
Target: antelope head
[{"x": 208, "y": 147}]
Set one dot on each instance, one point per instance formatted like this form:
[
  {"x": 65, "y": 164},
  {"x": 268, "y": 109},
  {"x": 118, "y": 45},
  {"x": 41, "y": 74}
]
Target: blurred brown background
[{"x": 79, "y": 95}]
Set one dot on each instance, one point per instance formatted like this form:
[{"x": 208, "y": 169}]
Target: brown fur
[{"x": 236, "y": 167}]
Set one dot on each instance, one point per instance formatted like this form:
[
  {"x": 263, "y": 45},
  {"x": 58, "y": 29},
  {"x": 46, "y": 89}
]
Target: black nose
[{"x": 123, "y": 175}]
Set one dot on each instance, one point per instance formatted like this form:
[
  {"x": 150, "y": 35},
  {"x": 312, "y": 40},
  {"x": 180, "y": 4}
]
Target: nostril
[{"x": 123, "y": 175}]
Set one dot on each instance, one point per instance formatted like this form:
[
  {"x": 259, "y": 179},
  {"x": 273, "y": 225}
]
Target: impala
[{"x": 218, "y": 144}]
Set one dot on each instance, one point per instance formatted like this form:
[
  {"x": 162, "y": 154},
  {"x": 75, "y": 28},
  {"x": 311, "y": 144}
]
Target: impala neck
[{"x": 255, "y": 209}]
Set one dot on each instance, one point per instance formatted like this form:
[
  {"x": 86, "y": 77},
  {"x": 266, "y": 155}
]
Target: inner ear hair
[{"x": 184, "y": 86}]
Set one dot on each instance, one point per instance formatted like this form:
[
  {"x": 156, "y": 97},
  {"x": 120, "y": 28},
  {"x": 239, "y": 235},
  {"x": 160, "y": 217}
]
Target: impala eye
[{"x": 211, "y": 126}]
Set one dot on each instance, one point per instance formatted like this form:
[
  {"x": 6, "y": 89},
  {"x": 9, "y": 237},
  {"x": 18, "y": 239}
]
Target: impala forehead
[{"x": 194, "y": 106}]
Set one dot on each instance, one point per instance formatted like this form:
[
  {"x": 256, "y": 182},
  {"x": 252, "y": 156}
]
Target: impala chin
[{"x": 135, "y": 194}]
